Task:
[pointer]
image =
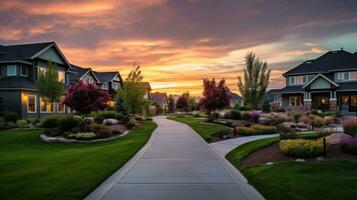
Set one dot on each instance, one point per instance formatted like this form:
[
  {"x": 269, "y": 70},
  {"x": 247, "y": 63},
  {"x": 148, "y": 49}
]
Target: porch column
[
  {"x": 307, "y": 101},
  {"x": 333, "y": 101}
]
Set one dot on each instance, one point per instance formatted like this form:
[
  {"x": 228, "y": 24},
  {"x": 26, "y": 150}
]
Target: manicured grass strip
[
  {"x": 205, "y": 130},
  {"x": 31, "y": 169},
  {"x": 329, "y": 180},
  {"x": 239, "y": 153}
]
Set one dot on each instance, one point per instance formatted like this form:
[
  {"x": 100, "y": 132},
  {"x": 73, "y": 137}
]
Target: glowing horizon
[{"x": 178, "y": 43}]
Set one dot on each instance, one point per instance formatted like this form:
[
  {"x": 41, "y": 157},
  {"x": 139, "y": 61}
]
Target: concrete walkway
[
  {"x": 175, "y": 164},
  {"x": 225, "y": 146}
]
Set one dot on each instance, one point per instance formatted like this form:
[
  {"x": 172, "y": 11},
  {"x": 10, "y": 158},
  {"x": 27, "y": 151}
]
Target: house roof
[
  {"x": 79, "y": 72},
  {"x": 347, "y": 86},
  {"x": 16, "y": 82},
  {"x": 330, "y": 61},
  {"x": 26, "y": 52},
  {"x": 291, "y": 89},
  {"x": 107, "y": 76},
  {"x": 158, "y": 98},
  {"x": 235, "y": 97}
]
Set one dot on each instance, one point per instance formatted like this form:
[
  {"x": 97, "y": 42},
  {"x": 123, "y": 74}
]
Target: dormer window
[{"x": 11, "y": 70}]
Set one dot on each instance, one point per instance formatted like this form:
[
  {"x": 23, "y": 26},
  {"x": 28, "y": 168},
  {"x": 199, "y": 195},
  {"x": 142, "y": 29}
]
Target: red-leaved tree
[
  {"x": 85, "y": 98},
  {"x": 215, "y": 96},
  {"x": 182, "y": 102}
]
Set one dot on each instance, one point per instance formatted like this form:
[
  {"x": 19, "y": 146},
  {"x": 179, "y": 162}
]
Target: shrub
[
  {"x": 124, "y": 119},
  {"x": 318, "y": 121},
  {"x": 350, "y": 126},
  {"x": 131, "y": 124},
  {"x": 246, "y": 116},
  {"x": 21, "y": 123},
  {"x": 227, "y": 115},
  {"x": 301, "y": 148},
  {"x": 349, "y": 148},
  {"x": 68, "y": 122},
  {"x": 82, "y": 136},
  {"x": 104, "y": 133},
  {"x": 235, "y": 114},
  {"x": 100, "y": 116},
  {"x": 243, "y": 108},
  {"x": 290, "y": 135},
  {"x": 50, "y": 122},
  {"x": 52, "y": 132},
  {"x": 116, "y": 132},
  {"x": 139, "y": 118},
  {"x": 254, "y": 116},
  {"x": 11, "y": 117},
  {"x": 281, "y": 128},
  {"x": 255, "y": 130}
]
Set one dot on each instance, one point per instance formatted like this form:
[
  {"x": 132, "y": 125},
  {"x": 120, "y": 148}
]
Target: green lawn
[
  {"x": 31, "y": 169},
  {"x": 330, "y": 180},
  {"x": 335, "y": 180},
  {"x": 204, "y": 129}
]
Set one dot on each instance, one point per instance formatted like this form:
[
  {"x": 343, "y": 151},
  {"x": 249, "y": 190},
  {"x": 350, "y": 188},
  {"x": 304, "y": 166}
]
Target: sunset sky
[{"x": 177, "y": 43}]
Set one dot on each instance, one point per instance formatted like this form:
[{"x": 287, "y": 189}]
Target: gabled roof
[
  {"x": 330, "y": 61},
  {"x": 322, "y": 76},
  {"x": 108, "y": 76},
  {"x": 158, "y": 98},
  {"x": 79, "y": 72},
  {"x": 27, "y": 52},
  {"x": 234, "y": 96}
]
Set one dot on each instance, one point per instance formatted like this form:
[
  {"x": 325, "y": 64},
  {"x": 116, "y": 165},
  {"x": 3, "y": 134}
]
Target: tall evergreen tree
[
  {"x": 171, "y": 104},
  {"x": 256, "y": 80}
]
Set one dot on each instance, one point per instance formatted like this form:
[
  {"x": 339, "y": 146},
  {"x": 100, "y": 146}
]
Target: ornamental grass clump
[
  {"x": 255, "y": 129},
  {"x": 350, "y": 126},
  {"x": 301, "y": 148}
]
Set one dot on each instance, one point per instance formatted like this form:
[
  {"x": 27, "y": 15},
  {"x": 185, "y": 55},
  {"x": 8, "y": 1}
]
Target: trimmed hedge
[
  {"x": 301, "y": 148},
  {"x": 255, "y": 130}
]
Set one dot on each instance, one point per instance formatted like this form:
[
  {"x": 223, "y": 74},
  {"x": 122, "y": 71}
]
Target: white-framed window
[
  {"x": 61, "y": 108},
  {"x": 45, "y": 106},
  {"x": 41, "y": 70},
  {"x": 61, "y": 76},
  {"x": 340, "y": 75},
  {"x": 115, "y": 86},
  {"x": 23, "y": 71},
  {"x": 32, "y": 104},
  {"x": 11, "y": 70},
  {"x": 104, "y": 85},
  {"x": 90, "y": 80}
]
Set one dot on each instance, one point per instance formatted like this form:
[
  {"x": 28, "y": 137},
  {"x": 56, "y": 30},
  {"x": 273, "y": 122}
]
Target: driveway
[{"x": 176, "y": 163}]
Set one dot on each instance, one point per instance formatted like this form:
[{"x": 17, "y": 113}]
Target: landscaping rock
[
  {"x": 110, "y": 121},
  {"x": 320, "y": 159},
  {"x": 337, "y": 138},
  {"x": 300, "y": 160},
  {"x": 270, "y": 163},
  {"x": 264, "y": 121}
]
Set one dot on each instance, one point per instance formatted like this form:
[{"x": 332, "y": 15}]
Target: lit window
[
  {"x": 23, "y": 71},
  {"x": 60, "y": 108},
  {"x": 11, "y": 70},
  {"x": 298, "y": 80},
  {"x": 31, "y": 104},
  {"x": 61, "y": 76},
  {"x": 295, "y": 100},
  {"x": 45, "y": 106},
  {"x": 41, "y": 70}
]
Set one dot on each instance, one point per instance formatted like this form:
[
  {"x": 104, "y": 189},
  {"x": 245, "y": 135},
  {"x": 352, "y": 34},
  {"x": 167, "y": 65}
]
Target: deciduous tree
[
  {"x": 171, "y": 104},
  {"x": 85, "y": 98},
  {"x": 256, "y": 80},
  {"x": 215, "y": 96},
  {"x": 182, "y": 102}
]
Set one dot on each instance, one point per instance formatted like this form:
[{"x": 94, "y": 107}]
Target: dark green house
[
  {"x": 328, "y": 82},
  {"x": 19, "y": 69}
]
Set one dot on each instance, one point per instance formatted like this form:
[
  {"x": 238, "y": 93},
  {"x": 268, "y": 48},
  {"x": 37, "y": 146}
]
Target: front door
[{"x": 321, "y": 101}]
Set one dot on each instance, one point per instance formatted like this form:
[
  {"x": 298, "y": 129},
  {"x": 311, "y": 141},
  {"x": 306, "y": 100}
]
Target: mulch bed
[
  {"x": 273, "y": 154},
  {"x": 121, "y": 127}
]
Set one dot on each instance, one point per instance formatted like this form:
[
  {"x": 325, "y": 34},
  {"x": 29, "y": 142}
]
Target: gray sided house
[
  {"x": 19, "y": 69},
  {"x": 86, "y": 75},
  {"x": 327, "y": 83},
  {"x": 110, "y": 81}
]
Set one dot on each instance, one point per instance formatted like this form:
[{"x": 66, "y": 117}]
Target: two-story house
[
  {"x": 20, "y": 66},
  {"x": 110, "y": 81},
  {"x": 83, "y": 74},
  {"x": 328, "y": 82}
]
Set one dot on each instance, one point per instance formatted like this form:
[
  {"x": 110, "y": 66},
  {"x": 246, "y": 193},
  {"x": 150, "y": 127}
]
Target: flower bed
[{"x": 301, "y": 148}]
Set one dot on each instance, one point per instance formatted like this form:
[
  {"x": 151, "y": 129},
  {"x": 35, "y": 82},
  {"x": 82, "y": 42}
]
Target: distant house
[
  {"x": 84, "y": 74},
  {"x": 328, "y": 82},
  {"x": 160, "y": 101},
  {"x": 236, "y": 99},
  {"x": 110, "y": 81},
  {"x": 19, "y": 69}
]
